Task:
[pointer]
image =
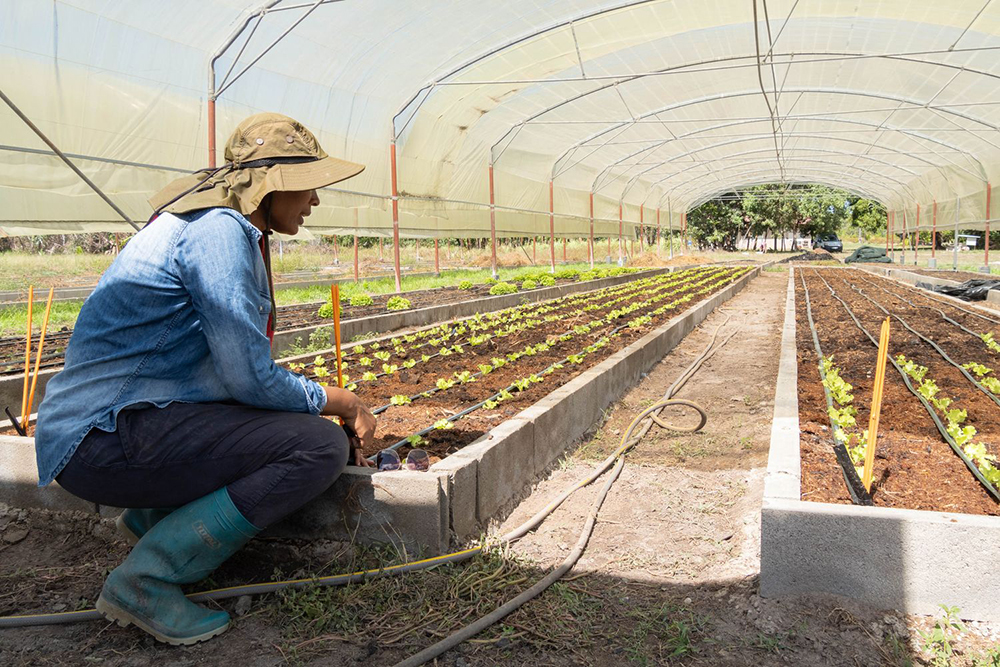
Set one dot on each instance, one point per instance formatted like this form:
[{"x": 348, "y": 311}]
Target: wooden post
[{"x": 883, "y": 348}]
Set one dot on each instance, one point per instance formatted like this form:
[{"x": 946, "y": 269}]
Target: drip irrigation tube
[
  {"x": 859, "y": 495},
  {"x": 937, "y": 348},
  {"x": 455, "y": 557},
  {"x": 927, "y": 406},
  {"x": 939, "y": 311}
]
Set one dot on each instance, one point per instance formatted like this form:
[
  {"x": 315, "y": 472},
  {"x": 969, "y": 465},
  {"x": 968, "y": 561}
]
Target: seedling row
[
  {"x": 939, "y": 436},
  {"x": 443, "y": 387}
]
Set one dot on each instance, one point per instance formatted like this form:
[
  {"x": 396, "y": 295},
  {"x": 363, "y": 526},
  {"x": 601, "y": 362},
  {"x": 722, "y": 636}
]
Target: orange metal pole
[
  {"x": 211, "y": 132},
  {"x": 552, "y": 227},
  {"x": 493, "y": 228},
  {"x": 395, "y": 218}
]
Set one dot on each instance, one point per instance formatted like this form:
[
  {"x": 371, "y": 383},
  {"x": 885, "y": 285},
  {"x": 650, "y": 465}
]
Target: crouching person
[{"x": 169, "y": 403}]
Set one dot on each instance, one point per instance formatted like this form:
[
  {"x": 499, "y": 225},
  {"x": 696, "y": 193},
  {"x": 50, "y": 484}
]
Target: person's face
[{"x": 289, "y": 210}]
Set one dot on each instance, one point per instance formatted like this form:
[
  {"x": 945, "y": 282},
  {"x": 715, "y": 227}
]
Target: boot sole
[
  {"x": 113, "y": 612},
  {"x": 126, "y": 532}
]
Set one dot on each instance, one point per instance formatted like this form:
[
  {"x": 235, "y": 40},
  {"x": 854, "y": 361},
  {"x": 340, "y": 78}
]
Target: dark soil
[
  {"x": 957, "y": 276},
  {"x": 914, "y": 467},
  {"x": 399, "y": 422}
]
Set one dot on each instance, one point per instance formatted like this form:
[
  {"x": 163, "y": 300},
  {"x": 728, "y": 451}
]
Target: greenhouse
[{"x": 552, "y": 244}]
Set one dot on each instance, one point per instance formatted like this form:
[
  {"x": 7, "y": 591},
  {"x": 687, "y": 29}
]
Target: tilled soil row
[
  {"x": 914, "y": 467},
  {"x": 398, "y": 422}
]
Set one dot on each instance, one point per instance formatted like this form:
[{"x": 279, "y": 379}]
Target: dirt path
[{"x": 669, "y": 576}]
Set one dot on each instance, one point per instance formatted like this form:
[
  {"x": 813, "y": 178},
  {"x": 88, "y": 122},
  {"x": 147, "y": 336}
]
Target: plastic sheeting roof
[{"x": 652, "y": 106}]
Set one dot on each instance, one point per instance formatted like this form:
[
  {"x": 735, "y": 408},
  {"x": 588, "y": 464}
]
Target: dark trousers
[{"x": 271, "y": 462}]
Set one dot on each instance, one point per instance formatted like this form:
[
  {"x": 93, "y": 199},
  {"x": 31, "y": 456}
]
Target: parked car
[{"x": 828, "y": 242}]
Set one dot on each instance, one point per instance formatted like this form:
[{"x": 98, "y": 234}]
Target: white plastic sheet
[{"x": 647, "y": 105}]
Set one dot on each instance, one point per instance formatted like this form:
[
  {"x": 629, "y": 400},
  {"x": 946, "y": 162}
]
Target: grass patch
[{"x": 14, "y": 319}]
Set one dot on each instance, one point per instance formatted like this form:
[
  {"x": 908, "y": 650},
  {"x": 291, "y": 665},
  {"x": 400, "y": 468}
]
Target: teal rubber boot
[
  {"x": 184, "y": 547},
  {"x": 134, "y": 523}
]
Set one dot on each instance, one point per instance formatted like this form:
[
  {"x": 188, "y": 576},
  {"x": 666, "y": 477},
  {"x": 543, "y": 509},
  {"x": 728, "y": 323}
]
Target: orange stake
[
  {"x": 883, "y": 349},
  {"x": 335, "y": 294},
  {"x": 27, "y": 356},
  {"x": 38, "y": 355}
]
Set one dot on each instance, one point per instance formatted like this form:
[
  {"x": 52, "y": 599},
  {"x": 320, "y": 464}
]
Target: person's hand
[
  {"x": 356, "y": 452},
  {"x": 358, "y": 421}
]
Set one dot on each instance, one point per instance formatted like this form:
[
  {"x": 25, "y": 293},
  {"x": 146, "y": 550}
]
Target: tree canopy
[{"x": 774, "y": 210}]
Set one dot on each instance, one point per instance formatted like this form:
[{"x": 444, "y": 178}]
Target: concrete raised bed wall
[
  {"x": 909, "y": 560},
  {"x": 460, "y": 495},
  {"x": 424, "y": 512}
]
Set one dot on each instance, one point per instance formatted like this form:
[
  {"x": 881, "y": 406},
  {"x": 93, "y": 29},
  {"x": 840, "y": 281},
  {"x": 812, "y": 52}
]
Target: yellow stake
[
  {"x": 38, "y": 355},
  {"x": 883, "y": 349},
  {"x": 335, "y": 294}
]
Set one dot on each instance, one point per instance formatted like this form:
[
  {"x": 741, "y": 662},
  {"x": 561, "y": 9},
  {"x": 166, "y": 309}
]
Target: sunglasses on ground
[{"x": 417, "y": 459}]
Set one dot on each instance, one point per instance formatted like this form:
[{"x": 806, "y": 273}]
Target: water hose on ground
[{"x": 628, "y": 441}]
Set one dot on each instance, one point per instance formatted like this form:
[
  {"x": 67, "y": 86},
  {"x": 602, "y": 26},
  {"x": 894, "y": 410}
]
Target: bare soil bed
[
  {"x": 915, "y": 467},
  {"x": 957, "y": 276}
]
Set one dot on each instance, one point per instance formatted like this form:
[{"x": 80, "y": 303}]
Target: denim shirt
[{"x": 181, "y": 315}]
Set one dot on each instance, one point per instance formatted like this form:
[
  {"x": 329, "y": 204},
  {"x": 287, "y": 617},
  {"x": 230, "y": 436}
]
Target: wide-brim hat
[{"x": 267, "y": 153}]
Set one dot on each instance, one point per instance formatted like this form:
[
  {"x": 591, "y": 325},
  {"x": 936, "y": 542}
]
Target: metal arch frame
[
  {"x": 693, "y": 133},
  {"x": 763, "y": 150},
  {"x": 763, "y": 176},
  {"x": 809, "y": 174},
  {"x": 634, "y": 179},
  {"x": 730, "y": 95},
  {"x": 672, "y": 70},
  {"x": 831, "y": 163},
  {"x": 739, "y": 140},
  {"x": 702, "y": 199},
  {"x": 429, "y": 87}
]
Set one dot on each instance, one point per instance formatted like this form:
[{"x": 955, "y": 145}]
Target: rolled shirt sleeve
[{"x": 219, "y": 264}]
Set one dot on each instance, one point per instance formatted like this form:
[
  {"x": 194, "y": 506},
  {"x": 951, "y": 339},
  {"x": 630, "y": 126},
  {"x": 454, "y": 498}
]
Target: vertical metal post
[
  {"x": 591, "y": 243},
  {"x": 211, "y": 131},
  {"x": 534, "y": 251},
  {"x": 609, "y": 250},
  {"x": 437, "y": 259},
  {"x": 887, "y": 231},
  {"x": 493, "y": 228},
  {"x": 336, "y": 253},
  {"x": 916, "y": 236},
  {"x": 892, "y": 236},
  {"x": 395, "y": 217},
  {"x": 552, "y": 228}
]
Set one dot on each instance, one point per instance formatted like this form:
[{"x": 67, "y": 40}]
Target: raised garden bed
[
  {"x": 931, "y": 534},
  {"x": 494, "y": 452}
]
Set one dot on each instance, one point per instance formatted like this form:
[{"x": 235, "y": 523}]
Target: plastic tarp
[{"x": 646, "y": 108}]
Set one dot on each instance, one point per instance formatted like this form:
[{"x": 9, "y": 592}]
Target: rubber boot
[
  {"x": 184, "y": 547},
  {"x": 134, "y": 523}
]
